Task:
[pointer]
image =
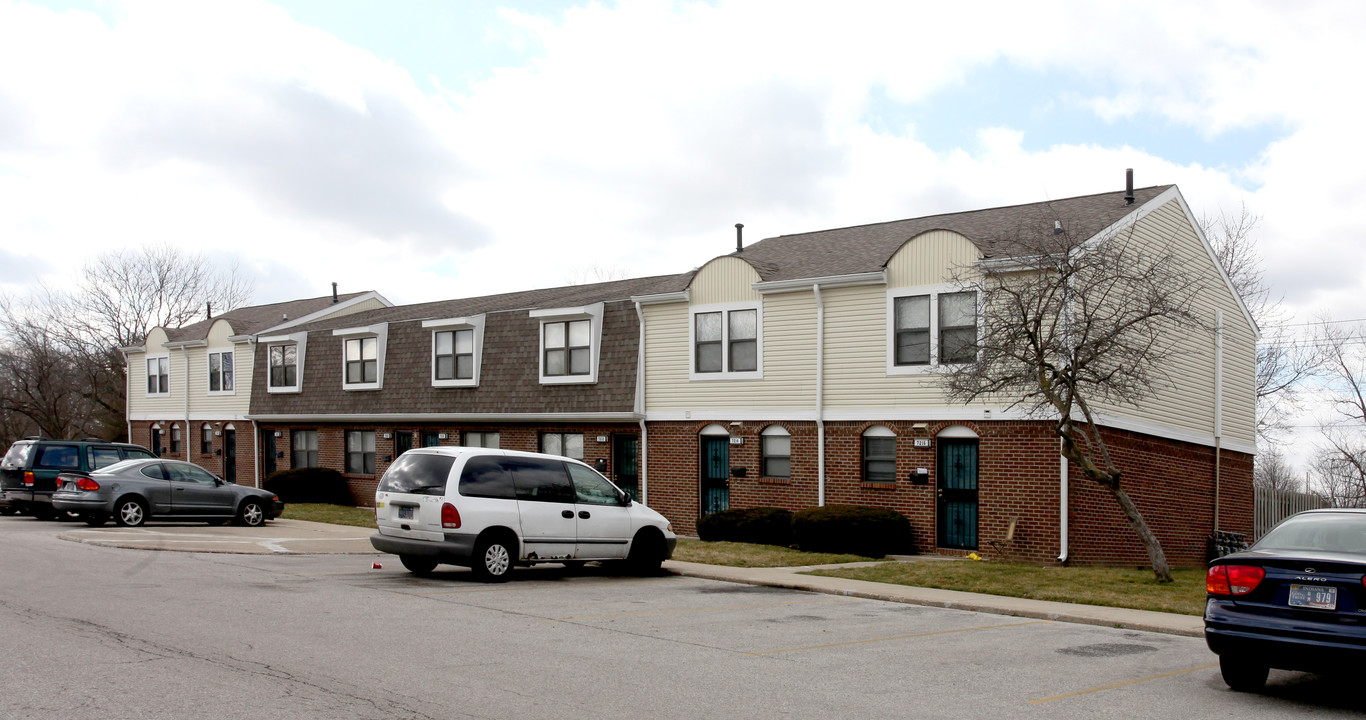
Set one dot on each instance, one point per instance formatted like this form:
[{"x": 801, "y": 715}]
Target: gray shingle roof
[
  {"x": 255, "y": 318},
  {"x": 868, "y": 248}
]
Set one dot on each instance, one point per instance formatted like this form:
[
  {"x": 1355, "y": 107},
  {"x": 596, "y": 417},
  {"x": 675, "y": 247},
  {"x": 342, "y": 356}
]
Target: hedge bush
[
  {"x": 309, "y": 485},
  {"x": 761, "y": 525},
  {"x": 867, "y": 531}
]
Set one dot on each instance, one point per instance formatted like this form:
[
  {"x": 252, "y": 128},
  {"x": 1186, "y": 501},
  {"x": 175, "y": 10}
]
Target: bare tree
[
  {"x": 1072, "y": 324},
  {"x": 591, "y": 274},
  {"x": 1284, "y": 361},
  {"x": 60, "y": 365},
  {"x": 1270, "y": 470},
  {"x": 1339, "y": 464}
]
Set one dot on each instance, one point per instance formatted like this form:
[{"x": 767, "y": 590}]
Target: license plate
[
  {"x": 405, "y": 513},
  {"x": 1314, "y": 596}
]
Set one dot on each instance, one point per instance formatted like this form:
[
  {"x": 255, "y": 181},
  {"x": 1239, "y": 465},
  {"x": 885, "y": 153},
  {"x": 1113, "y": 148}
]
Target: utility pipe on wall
[
  {"x": 640, "y": 407},
  {"x": 1062, "y": 504},
  {"x": 1218, "y": 406}
]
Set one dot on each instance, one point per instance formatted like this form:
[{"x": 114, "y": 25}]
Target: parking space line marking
[
  {"x": 692, "y": 610},
  {"x": 1113, "y": 686},
  {"x": 898, "y": 637}
]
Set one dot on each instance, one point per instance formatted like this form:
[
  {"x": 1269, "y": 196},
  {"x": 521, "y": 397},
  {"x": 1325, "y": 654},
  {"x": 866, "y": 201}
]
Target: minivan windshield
[{"x": 418, "y": 474}]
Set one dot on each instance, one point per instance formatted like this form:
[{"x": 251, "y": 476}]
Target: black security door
[
  {"x": 626, "y": 464},
  {"x": 403, "y": 442},
  {"x": 715, "y": 474},
  {"x": 268, "y": 452},
  {"x": 957, "y": 493},
  {"x": 230, "y": 455}
]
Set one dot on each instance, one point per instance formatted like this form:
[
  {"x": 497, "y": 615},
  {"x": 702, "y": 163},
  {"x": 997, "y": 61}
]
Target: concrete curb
[{"x": 791, "y": 578}]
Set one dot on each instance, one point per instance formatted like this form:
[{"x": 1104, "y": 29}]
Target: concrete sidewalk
[{"x": 284, "y": 537}]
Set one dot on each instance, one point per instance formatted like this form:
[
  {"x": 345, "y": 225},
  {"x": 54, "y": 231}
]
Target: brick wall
[
  {"x": 512, "y": 436},
  {"x": 1018, "y": 483},
  {"x": 192, "y": 438}
]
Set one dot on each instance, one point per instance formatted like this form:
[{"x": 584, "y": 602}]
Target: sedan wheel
[
  {"x": 130, "y": 513},
  {"x": 1241, "y": 674},
  {"x": 251, "y": 514}
]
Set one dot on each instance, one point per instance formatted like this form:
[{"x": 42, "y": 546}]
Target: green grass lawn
[
  {"x": 335, "y": 514},
  {"x": 1115, "y": 587},
  {"x": 736, "y": 554}
]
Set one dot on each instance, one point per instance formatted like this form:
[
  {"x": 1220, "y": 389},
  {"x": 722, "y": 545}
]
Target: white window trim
[
  {"x": 208, "y": 374},
  {"x": 725, "y": 310},
  {"x": 300, "y": 340},
  {"x": 774, "y": 431},
  {"x": 934, "y": 291},
  {"x": 592, "y": 313},
  {"x": 380, "y": 332},
  {"x": 473, "y": 322},
  {"x": 145, "y": 375}
]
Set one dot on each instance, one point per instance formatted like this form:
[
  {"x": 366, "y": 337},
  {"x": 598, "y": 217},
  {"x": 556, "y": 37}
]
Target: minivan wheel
[
  {"x": 130, "y": 512},
  {"x": 417, "y": 564},
  {"x": 492, "y": 560},
  {"x": 647, "y": 554},
  {"x": 1242, "y": 675}
]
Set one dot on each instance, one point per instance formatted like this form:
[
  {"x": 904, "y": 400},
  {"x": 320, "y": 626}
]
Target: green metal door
[
  {"x": 957, "y": 494},
  {"x": 715, "y": 474},
  {"x": 626, "y": 464}
]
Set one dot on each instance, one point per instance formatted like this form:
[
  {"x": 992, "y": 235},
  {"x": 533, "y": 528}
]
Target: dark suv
[{"x": 28, "y": 473}]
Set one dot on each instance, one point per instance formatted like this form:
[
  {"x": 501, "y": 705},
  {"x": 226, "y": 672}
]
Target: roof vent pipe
[
  {"x": 334, "y": 292},
  {"x": 208, "y": 311},
  {"x": 1129, "y": 186},
  {"x": 739, "y": 234},
  {"x": 1057, "y": 227}
]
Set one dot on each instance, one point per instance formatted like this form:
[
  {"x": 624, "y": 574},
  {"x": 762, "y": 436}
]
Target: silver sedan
[{"x": 133, "y": 491}]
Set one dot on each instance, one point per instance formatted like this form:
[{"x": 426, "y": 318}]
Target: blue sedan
[
  {"x": 133, "y": 491},
  {"x": 1295, "y": 600}
]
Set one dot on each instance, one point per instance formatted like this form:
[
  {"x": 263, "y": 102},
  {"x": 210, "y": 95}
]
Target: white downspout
[
  {"x": 820, "y": 396},
  {"x": 1218, "y": 406},
  {"x": 256, "y": 443},
  {"x": 640, "y": 408},
  {"x": 128, "y": 391},
  {"x": 1062, "y": 505},
  {"x": 185, "y": 437}
]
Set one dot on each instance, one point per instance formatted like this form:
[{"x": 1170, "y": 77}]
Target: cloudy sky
[{"x": 432, "y": 149}]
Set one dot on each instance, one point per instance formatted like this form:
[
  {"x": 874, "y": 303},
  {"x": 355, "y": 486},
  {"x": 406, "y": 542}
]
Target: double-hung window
[
  {"x": 879, "y": 455},
  {"x": 206, "y": 440},
  {"x": 930, "y": 326},
  {"x": 284, "y": 366},
  {"x": 159, "y": 375},
  {"x": 726, "y": 342},
  {"x": 570, "y": 342},
  {"x": 775, "y": 445},
  {"x": 360, "y": 452},
  {"x": 303, "y": 448},
  {"x": 566, "y": 444},
  {"x": 361, "y": 363},
  {"x": 482, "y": 439},
  {"x": 220, "y": 372},
  {"x": 175, "y": 438}
]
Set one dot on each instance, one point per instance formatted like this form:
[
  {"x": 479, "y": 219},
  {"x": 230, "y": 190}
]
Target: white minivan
[{"x": 492, "y": 509}]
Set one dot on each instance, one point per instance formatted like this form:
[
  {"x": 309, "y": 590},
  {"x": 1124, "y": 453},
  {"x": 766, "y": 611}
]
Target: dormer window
[
  {"x": 457, "y": 344},
  {"x": 285, "y": 362},
  {"x": 363, "y": 356},
  {"x": 930, "y": 326},
  {"x": 221, "y": 372},
  {"x": 571, "y": 342}
]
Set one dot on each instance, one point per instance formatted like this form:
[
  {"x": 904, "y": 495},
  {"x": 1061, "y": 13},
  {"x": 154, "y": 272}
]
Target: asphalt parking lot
[{"x": 97, "y": 631}]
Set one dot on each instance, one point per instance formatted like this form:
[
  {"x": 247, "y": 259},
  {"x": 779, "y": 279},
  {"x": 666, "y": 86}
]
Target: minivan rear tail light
[
  {"x": 87, "y": 484},
  {"x": 1233, "y": 579},
  {"x": 450, "y": 517},
  {"x": 28, "y": 478}
]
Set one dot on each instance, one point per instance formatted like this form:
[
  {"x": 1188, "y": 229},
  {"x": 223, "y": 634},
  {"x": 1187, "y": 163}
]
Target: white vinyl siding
[{"x": 228, "y": 405}]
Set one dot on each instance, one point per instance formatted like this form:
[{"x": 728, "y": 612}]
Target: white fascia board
[
  {"x": 453, "y": 322},
  {"x": 662, "y": 298},
  {"x": 329, "y": 310},
  {"x": 594, "y": 310},
  {"x": 238, "y": 339},
  {"x": 182, "y": 344},
  {"x": 375, "y": 329},
  {"x": 452, "y": 417},
  {"x": 133, "y": 349},
  {"x": 832, "y": 281}
]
